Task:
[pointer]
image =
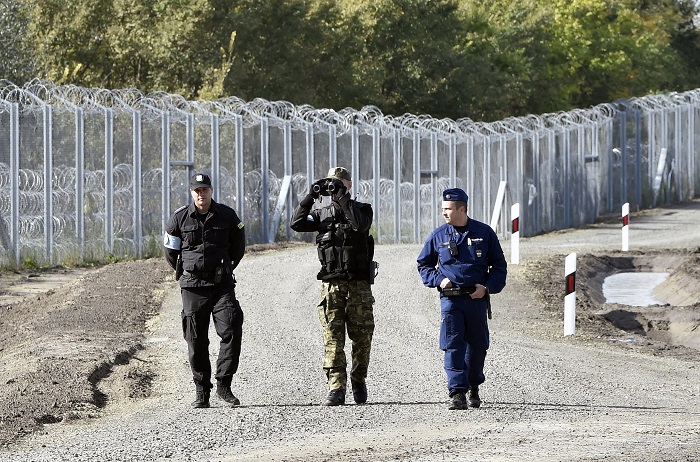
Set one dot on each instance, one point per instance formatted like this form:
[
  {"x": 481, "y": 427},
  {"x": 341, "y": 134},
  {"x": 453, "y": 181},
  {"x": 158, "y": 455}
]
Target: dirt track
[{"x": 90, "y": 374}]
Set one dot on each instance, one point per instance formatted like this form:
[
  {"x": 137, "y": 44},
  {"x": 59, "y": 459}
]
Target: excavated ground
[{"x": 671, "y": 328}]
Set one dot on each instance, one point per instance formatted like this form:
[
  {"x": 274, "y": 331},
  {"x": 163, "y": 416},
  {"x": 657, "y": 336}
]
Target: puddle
[{"x": 633, "y": 289}]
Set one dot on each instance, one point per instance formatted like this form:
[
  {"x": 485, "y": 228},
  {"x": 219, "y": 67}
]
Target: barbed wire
[
  {"x": 37, "y": 95},
  {"x": 40, "y": 92}
]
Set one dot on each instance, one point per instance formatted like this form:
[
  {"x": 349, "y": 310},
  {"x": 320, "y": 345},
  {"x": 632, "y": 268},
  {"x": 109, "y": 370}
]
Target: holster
[
  {"x": 178, "y": 268},
  {"x": 373, "y": 271}
]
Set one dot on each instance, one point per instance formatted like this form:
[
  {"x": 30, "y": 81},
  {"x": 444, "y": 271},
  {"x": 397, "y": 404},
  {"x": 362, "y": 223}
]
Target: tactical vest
[{"x": 343, "y": 252}]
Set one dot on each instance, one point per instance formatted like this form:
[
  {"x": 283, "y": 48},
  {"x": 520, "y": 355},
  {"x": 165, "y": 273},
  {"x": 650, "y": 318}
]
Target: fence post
[
  {"x": 109, "y": 180},
  {"x": 288, "y": 172},
  {"x": 240, "y": 176},
  {"x": 376, "y": 173},
  {"x": 215, "y": 156},
  {"x": 165, "y": 165},
  {"x": 397, "y": 185},
  {"x": 137, "y": 208},
  {"x": 416, "y": 186},
  {"x": 265, "y": 174},
  {"x": 48, "y": 183},
  {"x": 14, "y": 182},
  {"x": 80, "y": 180}
]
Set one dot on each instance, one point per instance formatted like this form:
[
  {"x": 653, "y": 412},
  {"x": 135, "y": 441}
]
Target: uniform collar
[
  {"x": 460, "y": 236},
  {"x": 192, "y": 209}
]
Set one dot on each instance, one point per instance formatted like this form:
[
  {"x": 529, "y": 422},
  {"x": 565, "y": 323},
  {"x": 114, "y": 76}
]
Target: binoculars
[{"x": 327, "y": 187}]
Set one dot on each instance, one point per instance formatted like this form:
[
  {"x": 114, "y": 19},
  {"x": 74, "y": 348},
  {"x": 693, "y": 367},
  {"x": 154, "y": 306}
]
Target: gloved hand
[
  {"x": 317, "y": 188},
  {"x": 339, "y": 189}
]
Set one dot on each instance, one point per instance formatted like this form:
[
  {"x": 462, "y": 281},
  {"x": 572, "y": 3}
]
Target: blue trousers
[{"x": 464, "y": 337}]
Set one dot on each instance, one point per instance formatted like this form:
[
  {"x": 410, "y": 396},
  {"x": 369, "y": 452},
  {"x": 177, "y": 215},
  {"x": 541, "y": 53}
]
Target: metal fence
[{"x": 82, "y": 170}]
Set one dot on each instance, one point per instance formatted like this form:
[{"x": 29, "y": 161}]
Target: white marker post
[
  {"x": 498, "y": 205},
  {"x": 625, "y": 227},
  {"x": 570, "y": 297},
  {"x": 515, "y": 237}
]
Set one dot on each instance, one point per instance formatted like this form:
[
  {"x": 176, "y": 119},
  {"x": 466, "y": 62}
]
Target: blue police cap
[{"x": 455, "y": 194}]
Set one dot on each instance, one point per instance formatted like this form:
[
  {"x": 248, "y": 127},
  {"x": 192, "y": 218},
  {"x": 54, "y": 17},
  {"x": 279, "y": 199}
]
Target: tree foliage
[
  {"x": 449, "y": 58},
  {"x": 15, "y": 58}
]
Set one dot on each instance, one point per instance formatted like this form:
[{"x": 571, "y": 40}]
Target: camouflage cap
[{"x": 339, "y": 173}]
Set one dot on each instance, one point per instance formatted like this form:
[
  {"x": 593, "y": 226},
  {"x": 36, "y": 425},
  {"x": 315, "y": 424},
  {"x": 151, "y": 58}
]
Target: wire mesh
[{"x": 565, "y": 168}]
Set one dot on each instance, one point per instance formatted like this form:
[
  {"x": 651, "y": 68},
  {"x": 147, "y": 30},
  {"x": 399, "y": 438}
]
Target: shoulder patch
[
  {"x": 181, "y": 209},
  {"x": 240, "y": 225}
]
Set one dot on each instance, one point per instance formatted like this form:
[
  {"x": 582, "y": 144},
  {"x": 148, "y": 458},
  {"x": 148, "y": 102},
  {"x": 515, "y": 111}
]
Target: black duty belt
[{"x": 456, "y": 291}]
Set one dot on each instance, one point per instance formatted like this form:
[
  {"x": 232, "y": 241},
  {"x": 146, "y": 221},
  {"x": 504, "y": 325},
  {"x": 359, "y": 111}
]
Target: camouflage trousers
[{"x": 346, "y": 305}]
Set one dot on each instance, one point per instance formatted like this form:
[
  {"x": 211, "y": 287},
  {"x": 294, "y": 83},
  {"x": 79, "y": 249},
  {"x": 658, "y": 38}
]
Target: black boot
[
  {"x": 226, "y": 394},
  {"x": 457, "y": 402},
  {"x": 474, "y": 400},
  {"x": 201, "y": 399},
  {"x": 359, "y": 392},
  {"x": 335, "y": 397}
]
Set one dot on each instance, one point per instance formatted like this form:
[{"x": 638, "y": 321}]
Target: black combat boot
[
  {"x": 457, "y": 402},
  {"x": 335, "y": 397},
  {"x": 474, "y": 400},
  {"x": 225, "y": 393},
  {"x": 201, "y": 399},
  {"x": 359, "y": 392}
]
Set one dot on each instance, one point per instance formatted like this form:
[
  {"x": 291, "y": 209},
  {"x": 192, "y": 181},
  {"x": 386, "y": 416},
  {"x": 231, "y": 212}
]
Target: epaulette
[{"x": 180, "y": 209}]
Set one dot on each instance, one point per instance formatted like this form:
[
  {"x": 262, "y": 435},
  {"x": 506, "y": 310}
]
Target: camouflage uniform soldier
[{"x": 345, "y": 250}]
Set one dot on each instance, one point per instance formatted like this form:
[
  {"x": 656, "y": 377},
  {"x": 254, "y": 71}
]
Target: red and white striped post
[
  {"x": 515, "y": 237},
  {"x": 625, "y": 227},
  {"x": 570, "y": 296}
]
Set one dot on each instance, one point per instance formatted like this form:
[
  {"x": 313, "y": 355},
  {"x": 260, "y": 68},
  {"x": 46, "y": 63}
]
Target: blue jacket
[{"x": 479, "y": 258}]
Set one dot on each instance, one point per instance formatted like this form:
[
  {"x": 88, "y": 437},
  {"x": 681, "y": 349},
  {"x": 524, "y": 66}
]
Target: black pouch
[
  {"x": 329, "y": 256},
  {"x": 451, "y": 291}
]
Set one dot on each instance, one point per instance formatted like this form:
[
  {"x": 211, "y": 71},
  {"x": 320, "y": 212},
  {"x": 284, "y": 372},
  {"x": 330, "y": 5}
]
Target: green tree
[
  {"x": 681, "y": 20},
  {"x": 449, "y": 58},
  {"x": 519, "y": 70},
  {"x": 290, "y": 50},
  {"x": 16, "y": 63},
  {"x": 168, "y": 45},
  {"x": 613, "y": 50},
  {"x": 408, "y": 56}
]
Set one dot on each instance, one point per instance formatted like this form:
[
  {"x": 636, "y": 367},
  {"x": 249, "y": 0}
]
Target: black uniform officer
[{"x": 204, "y": 242}]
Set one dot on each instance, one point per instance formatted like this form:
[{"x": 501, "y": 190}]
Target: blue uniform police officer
[
  {"x": 204, "y": 242},
  {"x": 463, "y": 259}
]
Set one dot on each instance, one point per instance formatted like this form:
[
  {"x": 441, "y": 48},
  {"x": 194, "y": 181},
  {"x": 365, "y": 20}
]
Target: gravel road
[{"x": 546, "y": 397}]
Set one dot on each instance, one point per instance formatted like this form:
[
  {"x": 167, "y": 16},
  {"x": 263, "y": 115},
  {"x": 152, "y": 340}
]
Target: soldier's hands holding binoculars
[
  {"x": 316, "y": 188},
  {"x": 339, "y": 189},
  {"x": 328, "y": 187}
]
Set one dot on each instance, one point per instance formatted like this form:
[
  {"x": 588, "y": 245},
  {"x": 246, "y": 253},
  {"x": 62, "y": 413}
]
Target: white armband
[{"x": 172, "y": 242}]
